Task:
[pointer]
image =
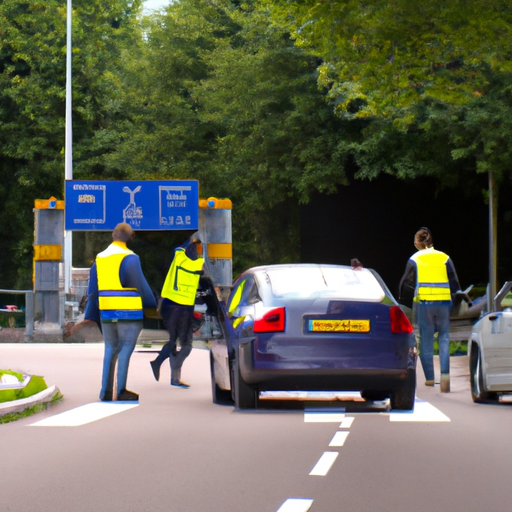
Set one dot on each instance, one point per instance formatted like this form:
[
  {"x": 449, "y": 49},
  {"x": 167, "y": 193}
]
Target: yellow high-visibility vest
[
  {"x": 182, "y": 280},
  {"x": 115, "y": 301},
  {"x": 432, "y": 276}
]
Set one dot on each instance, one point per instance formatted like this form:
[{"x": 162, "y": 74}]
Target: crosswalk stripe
[
  {"x": 85, "y": 414},
  {"x": 423, "y": 411}
]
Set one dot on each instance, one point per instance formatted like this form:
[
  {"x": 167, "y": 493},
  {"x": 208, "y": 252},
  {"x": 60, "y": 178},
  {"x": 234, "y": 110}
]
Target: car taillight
[
  {"x": 399, "y": 322},
  {"x": 271, "y": 321}
]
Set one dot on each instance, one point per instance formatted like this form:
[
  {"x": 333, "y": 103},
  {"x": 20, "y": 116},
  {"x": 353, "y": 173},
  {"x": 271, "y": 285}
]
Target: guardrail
[{"x": 29, "y": 309}]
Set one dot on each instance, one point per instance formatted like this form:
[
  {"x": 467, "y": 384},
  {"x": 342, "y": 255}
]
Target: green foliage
[
  {"x": 29, "y": 411},
  {"x": 35, "y": 385},
  {"x": 389, "y": 55},
  {"x": 32, "y": 108},
  {"x": 265, "y": 102},
  {"x": 457, "y": 348},
  {"x": 214, "y": 92}
]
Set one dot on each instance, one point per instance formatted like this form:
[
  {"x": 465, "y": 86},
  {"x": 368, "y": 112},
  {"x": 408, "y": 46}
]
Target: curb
[{"x": 42, "y": 397}]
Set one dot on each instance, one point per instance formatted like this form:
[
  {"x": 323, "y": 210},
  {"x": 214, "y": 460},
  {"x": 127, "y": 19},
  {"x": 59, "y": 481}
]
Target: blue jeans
[
  {"x": 120, "y": 339},
  {"x": 432, "y": 317}
]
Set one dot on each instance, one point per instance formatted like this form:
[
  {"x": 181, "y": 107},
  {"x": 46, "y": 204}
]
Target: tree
[
  {"x": 277, "y": 137},
  {"x": 421, "y": 72},
  {"x": 223, "y": 97},
  {"x": 32, "y": 107}
]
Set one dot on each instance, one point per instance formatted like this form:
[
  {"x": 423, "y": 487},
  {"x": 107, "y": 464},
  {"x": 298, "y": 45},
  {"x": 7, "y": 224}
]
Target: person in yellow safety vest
[
  {"x": 177, "y": 308},
  {"x": 116, "y": 296},
  {"x": 431, "y": 274}
]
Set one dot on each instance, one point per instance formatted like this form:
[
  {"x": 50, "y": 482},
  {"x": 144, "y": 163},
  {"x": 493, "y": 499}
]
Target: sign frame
[{"x": 160, "y": 205}]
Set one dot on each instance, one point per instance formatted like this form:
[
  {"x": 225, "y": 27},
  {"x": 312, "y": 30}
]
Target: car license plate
[{"x": 339, "y": 325}]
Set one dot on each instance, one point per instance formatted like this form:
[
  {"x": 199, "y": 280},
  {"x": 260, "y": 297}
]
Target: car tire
[
  {"x": 402, "y": 398},
  {"x": 478, "y": 394},
  {"x": 245, "y": 397},
  {"x": 219, "y": 396}
]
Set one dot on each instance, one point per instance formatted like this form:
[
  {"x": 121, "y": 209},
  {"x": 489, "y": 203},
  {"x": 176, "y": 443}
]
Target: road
[{"x": 175, "y": 451}]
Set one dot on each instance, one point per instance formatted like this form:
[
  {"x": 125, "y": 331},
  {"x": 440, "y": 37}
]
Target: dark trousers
[{"x": 178, "y": 322}]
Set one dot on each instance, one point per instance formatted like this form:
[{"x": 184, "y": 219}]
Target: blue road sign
[{"x": 145, "y": 205}]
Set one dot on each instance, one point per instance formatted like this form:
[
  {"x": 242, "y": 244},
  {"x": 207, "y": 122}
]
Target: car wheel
[
  {"x": 245, "y": 396},
  {"x": 219, "y": 396},
  {"x": 402, "y": 398},
  {"x": 478, "y": 394}
]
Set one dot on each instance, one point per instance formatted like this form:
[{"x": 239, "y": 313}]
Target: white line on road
[
  {"x": 423, "y": 411},
  {"x": 339, "y": 439},
  {"x": 295, "y": 505},
  {"x": 347, "y": 422},
  {"x": 324, "y": 464},
  {"x": 85, "y": 414}
]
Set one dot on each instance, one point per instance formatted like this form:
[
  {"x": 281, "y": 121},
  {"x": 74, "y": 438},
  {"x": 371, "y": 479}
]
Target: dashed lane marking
[
  {"x": 324, "y": 464},
  {"x": 339, "y": 439},
  {"x": 85, "y": 414},
  {"x": 423, "y": 411},
  {"x": 295, "y": 505},
  {"x": 347, "y": 422}
]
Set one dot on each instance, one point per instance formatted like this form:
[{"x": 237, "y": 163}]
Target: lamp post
[
  {"x": 68, "y": 152},
  {"x": 493, "y": 244}
]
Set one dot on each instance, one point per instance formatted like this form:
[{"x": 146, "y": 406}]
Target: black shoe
[
  {"x": 107, "y": 397},
  {"x": 156, "y": 369},
  {"x": 127, "y": 395}
]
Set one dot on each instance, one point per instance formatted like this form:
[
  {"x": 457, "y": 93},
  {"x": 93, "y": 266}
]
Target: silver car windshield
[{"x": 340, "y": 282}]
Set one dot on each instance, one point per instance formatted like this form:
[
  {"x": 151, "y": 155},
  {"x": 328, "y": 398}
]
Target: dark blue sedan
[{"x": 313, "y": 327}]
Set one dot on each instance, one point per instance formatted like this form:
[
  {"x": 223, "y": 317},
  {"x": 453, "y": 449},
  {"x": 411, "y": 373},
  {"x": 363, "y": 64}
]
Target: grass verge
[{"x": 29, "y": 411}]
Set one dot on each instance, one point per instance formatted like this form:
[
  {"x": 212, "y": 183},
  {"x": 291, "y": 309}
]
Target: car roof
[{"x": 315, "y": 279}]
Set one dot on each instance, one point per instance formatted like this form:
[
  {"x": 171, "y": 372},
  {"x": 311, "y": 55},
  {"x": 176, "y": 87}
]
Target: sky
[{"x": 155, "y": 4}]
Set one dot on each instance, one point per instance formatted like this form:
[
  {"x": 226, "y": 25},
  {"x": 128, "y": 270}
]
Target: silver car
[{"x": 490, "y": 356}]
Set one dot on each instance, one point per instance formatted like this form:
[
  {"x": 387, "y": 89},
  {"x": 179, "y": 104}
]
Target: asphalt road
[{"x": 175, "y": 451}]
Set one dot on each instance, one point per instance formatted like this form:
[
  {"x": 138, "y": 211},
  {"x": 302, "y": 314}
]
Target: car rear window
[{"x": 341, "y": 282}]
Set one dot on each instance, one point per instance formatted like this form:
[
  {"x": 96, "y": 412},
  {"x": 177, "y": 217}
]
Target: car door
[
  {"x": 497, "y": 351},
  {"x": 241, "y": 305}
]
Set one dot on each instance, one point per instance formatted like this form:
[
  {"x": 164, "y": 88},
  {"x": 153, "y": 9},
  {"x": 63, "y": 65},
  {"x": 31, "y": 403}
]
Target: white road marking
[
  {"x": 295, "y": 505},
  {"x": 423, "y": 411},
  {"x": 339, "y": 439},
  {"x": 324, "y": 464},
  {"x": 323, "y": 417},
  {"x": 85, "y": 414},
  {"x": 347, "y": 422}
]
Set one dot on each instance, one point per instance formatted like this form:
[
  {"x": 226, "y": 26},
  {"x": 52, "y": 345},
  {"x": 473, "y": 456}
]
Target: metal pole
[
  {"x": 493, "y": 243},
  {"x": 68, "y": 162},
  {"x": 29, "y": 315}
]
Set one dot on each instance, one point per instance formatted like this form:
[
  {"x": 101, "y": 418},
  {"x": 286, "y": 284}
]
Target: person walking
[
  {"x": 116, "y": 296},
  {"x": 431, "y": 279},
  {"x": 177, "y": 308}
]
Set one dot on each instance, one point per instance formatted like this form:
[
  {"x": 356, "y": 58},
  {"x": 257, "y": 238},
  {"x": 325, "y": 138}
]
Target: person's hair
[
  {"x": 354, "y": 262},
  {"x": 123, "y": 232},
  {"x": 423, "y": 238}
]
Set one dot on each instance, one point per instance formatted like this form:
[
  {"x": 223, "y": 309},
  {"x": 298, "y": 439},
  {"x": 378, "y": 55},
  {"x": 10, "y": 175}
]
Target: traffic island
[{"x": 23, "y": 395}]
